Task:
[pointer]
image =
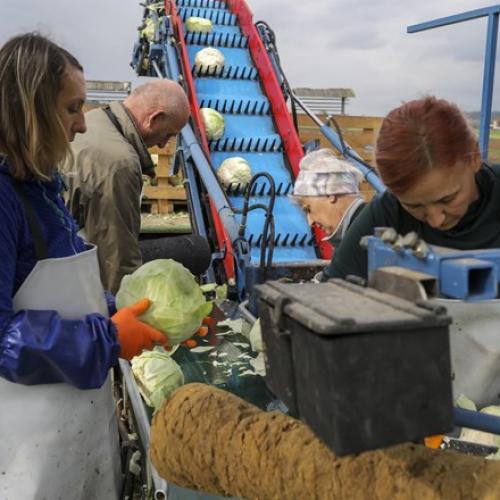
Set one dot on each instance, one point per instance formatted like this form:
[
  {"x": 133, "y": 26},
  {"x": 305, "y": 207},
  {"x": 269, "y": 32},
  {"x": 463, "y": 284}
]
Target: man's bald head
[{"x": 160, "y": 109}]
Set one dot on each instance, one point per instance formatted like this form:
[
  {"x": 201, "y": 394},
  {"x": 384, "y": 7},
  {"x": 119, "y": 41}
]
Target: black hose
[
  {"x": 346, "y": 151},
  {"x": 268, "y": 232},
  {"x": 273, "y": 48}
]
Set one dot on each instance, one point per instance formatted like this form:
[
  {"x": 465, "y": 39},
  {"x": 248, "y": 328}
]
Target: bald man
[{"x": 105, "y": 175}]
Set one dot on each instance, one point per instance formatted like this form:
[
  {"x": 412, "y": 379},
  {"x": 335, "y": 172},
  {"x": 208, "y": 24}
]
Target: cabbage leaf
[
  {"x": 157, "y": 375},
  {"x": 213, "y": 122}
]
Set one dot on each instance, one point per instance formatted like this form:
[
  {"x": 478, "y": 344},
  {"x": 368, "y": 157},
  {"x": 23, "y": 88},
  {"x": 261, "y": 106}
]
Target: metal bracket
[{"x": 404, "y": 283}]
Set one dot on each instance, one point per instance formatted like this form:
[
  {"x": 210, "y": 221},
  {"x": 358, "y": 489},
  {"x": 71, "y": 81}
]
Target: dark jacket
[
  {"x": 105, "y": 183},
  {"x": 39, "y": 347},
  {"x": 479, "y": 227}
]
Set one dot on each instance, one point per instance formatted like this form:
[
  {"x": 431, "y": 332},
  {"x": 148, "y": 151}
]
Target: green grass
[{"x": 494, "y": 148}]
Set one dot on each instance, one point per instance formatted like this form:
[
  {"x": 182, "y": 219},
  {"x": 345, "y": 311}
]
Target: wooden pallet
[
  {"x": 359, "y": 132},
  {"x": 163, "y": 197}
]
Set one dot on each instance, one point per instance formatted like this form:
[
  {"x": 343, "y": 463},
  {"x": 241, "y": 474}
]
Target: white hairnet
[{"x": 323, "y": 174}]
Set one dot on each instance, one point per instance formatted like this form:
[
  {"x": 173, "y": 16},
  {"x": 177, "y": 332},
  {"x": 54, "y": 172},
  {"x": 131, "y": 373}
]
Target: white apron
[{"x": 56, "y": 441}]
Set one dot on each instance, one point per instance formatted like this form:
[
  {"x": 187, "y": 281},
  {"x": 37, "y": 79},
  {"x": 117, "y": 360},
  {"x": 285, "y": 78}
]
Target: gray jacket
[{"x": 105, "y": 183}]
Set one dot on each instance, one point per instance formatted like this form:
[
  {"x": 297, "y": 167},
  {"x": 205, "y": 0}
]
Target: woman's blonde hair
[{"x": 32, "y": 135}]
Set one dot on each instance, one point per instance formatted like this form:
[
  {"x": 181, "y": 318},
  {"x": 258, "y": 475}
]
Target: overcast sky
[{"x": 360, "y": 44}]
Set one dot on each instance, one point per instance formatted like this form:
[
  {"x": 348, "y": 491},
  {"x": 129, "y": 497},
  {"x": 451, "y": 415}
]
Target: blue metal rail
[{"x": 489, "y": 61}]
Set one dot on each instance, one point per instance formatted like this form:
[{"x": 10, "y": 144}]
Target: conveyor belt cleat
[{"x": 222, "y": 17}]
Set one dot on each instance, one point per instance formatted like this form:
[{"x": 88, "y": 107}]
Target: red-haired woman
[{"x": 428, "y": 157}]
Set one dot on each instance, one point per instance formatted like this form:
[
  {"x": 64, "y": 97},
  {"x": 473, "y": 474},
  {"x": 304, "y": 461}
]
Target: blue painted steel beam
[
  {"x": 471, "y": 275},
  {"x": 489, "y": 61},
  {"x": 488, "y": 79},
  {"x": 369, "y": 173},
  {"x": 457, "y": 18},
  {"x": 476, "y": 420}
]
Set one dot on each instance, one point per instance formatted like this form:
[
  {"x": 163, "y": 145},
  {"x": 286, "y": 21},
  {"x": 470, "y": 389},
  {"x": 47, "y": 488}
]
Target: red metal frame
[
  {"x": 282, "y": 118},
  {"x": 223, "y": 241}
]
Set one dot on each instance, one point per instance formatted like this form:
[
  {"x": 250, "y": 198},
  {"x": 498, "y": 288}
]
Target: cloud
[
  {"x": 359, "y": 44},
  {"x": 364, "y": 45}
]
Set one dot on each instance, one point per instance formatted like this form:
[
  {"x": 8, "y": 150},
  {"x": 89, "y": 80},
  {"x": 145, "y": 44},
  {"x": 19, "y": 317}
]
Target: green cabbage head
[
  {"x": 214, "y": 123},
  {"x": 209, "y": 59},
  {"x": 234, "y": 170},
  {"x": 178, "y": 305},
  {"x": 199, "y": 25},
  {"x": 157, "y": 375}
]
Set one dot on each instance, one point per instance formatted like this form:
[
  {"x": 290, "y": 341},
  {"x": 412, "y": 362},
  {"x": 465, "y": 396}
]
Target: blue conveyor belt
[{"x": 250, "y": 132}]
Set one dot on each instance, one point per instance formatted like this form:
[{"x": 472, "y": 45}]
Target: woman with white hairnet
[{"x": 327, "y": 189}]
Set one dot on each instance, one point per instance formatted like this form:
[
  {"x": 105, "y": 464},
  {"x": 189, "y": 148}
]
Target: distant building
[
  {"x": 103, "y": 92},
  {"x": 324, "y": 101}
]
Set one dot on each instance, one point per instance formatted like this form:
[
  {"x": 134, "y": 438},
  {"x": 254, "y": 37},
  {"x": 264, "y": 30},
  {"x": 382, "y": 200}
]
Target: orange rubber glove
[
  {"x": 207, "y": 324},
  {"x": 133, "y": 334}
]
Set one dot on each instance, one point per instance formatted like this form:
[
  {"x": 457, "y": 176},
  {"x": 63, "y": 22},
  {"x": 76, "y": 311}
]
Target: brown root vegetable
[{"x": 208, "y": 439}]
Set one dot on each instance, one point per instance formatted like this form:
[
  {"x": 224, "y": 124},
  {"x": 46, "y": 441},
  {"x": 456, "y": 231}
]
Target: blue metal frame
[
  {"x": 471, "y": 275},
  {"x": 350, "y": 154},
  {"x": 489, "y": 61}
]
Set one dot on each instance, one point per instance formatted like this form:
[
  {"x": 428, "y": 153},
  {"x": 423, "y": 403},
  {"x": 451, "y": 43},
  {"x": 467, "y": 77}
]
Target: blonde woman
[{"x": 57, "y": 343}]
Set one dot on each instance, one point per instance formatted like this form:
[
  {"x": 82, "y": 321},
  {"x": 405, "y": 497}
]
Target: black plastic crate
[{"x": 363, "y": 369}]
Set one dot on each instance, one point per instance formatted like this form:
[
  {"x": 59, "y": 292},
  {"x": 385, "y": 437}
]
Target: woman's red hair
[{"x": 420, "y": 135}]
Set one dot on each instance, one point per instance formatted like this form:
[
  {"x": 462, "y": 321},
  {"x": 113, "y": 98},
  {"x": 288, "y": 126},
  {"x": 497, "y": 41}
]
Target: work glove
[
  {"x": 207, "y": 324},
  {"x": 133, "y": 335}
]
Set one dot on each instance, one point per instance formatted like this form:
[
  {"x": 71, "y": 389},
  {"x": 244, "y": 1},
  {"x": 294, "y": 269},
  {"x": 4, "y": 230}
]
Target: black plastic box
[{"x": 363, "y": 369}]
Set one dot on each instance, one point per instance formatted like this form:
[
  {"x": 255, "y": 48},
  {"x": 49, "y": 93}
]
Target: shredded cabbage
[
  {"x": 199, "y": 25},
  {"x": 234, "y": 170},
  {"x": 178, "y": 306},
  {"x": 214, "y": 123},
  {"x": 157, "y": 375}
]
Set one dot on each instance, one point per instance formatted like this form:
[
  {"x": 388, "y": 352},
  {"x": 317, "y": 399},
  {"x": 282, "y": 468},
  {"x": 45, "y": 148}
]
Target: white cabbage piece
[
  {"x": 214, "y": 123},
  {"x": 208, "y": 59},
  {"x": 198, "y": 25},
  {"x": 464, "y": 402},
  {"x": 234, "y": 170},
  {"x": 157, "y": 375},
  {"x": 256, "y": 337}
]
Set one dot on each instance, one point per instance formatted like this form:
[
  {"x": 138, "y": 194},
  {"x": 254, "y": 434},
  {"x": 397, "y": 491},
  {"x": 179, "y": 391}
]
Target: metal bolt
[
  {"x": 410, "y": 240},
  {"x": 422, "y": 250},
  {"x": 398, "y": 245},
  {"x": 390, "y": 235}
]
